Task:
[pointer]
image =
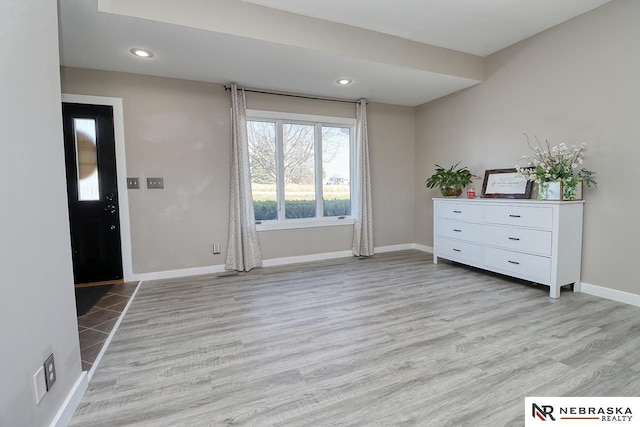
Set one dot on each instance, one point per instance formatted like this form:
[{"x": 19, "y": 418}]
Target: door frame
[{"x": 121, "y": 171}]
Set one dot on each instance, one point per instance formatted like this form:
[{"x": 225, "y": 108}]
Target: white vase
[
  {"x": 557, "y": 191},
  {"x": 549, "y": 191}
]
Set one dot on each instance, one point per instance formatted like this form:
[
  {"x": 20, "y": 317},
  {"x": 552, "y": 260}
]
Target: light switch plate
[
  {"x": 133, "y": 183},
  {"x": 155, "y": 182},
  {"x": 39, "y": 384}
]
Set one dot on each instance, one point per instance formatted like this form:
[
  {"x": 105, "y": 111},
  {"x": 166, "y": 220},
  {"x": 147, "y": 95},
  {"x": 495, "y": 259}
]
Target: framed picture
[{"x": 505, "y": 184}]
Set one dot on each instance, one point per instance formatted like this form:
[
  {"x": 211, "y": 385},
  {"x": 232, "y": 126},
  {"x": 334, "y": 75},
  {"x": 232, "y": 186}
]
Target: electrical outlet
[
  {"x": 39, "y": 384},
  {"x": 216, "y": 248},
  {"x": 155, "y": 182},
  {"x": 50, "y": 371},
  {"x": 133, "y": 183}
]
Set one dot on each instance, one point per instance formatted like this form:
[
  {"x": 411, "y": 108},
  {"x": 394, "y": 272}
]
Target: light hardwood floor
[{"x": 393, "y": 340}]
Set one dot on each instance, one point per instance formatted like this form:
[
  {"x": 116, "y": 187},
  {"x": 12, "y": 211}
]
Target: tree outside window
[{"x": 299, "y": 170}]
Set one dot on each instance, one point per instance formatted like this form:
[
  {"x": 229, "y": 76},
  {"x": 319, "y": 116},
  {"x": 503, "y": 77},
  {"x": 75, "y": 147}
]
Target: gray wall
[
  {"x": 181, "y": 130},
  {"x": 37, "y": 310},
  {"x": 577, "y": 82}
]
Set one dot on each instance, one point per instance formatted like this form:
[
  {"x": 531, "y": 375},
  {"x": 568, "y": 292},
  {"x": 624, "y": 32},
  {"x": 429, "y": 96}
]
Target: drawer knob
[
  {"x": 513, "y": 238},
  {"x": 458, "y": 250},
  {"x": 457, "y": 211},
  {"x": 514, "y": 262},
  {"x": 514, "y": 216},
  {"x": 457, "y": 231}
]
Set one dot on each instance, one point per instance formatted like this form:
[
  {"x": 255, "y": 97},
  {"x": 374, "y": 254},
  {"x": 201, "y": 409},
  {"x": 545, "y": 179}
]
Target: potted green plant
[{"x": 451, "y": 181}]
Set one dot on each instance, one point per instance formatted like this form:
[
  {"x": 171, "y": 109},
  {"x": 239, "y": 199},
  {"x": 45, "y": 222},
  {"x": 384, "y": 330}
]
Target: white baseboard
[
  {"x": 423, "y": 248},
  {"x": 305, "y": 258},
  {"x": 63, "y": 417},
  {"x": 612, "y": 294},
  {"x": 184, "y": 272},
  {"x": 341, "y": 254},
  {"x": 393, "y": 248},
  {"x": 214, "y": 269},
  {"x": 404, "y": 247}
]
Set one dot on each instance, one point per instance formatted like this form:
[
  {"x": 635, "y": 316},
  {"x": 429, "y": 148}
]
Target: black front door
[{"x": 92, "y": 192}]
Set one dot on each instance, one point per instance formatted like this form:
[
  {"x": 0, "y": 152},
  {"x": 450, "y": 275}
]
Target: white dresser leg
[{"x": 554, "y": 291}]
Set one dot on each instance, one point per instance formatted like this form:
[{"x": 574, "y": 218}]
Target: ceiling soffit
[{"x": 247, "y": 20}]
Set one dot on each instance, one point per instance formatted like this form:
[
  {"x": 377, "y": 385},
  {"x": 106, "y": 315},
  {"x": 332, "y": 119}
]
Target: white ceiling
[
  {"x": 98, "y": 40},
  {"x": 479, "y": 27}
]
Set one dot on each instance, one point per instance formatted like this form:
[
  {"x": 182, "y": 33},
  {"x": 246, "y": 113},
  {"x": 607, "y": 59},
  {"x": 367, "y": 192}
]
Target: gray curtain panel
[
  {"x": 363, "y": 227},
  {"x": 243, "y": 250}
]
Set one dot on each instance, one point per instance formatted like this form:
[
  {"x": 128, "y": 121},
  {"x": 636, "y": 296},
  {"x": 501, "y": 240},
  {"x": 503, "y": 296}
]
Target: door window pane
[
  {"x": 336, "y": 188},
  {"x": 86, "y": 159},
  {"x": 261, "y": 137},
  {"x": 298, "y": 151}
]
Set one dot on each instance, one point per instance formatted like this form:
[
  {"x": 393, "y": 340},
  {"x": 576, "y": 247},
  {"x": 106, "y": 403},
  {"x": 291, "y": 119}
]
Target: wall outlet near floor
[
  {"x": 50, "y": 371},
  {"x": 216, "y": 248}
]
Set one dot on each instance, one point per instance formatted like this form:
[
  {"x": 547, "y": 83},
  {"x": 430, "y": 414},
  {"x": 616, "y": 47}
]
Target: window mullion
[
  {"x": 318, "y": 167},
  {"x": 354, "y": 186},
  {"x": 280, "y": 169}
]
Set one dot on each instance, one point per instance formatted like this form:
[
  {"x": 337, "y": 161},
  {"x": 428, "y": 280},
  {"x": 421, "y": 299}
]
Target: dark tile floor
[{"x": 95, "y": 326}]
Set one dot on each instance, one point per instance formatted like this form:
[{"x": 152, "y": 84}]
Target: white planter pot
[{"x": 556, "y": 191}]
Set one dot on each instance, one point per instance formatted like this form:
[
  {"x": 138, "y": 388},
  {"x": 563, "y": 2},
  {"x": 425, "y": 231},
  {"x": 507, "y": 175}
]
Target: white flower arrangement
[{"x": 559, "y": 163}]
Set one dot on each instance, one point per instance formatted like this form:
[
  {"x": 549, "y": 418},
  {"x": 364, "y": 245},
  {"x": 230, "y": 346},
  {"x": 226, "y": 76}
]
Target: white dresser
[{"x": 540, "y": 241}]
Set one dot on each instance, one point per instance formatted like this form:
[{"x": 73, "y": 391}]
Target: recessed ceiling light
[
  {"x": 142, "y": 53},
  {"x": 344, "y": 81}
]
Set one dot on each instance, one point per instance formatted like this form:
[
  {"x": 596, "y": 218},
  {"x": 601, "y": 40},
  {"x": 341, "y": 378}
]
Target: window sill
[{"x": 303, "y": 223}]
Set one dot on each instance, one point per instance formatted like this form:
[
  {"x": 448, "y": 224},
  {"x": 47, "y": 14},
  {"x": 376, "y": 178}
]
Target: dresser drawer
[
  {"x": 456, "y": 250},
  {"x": 461, "y": 211},
  {"x": 468, "y": 231},
  {"x": 519, "y": 239},
  {"x": 531, "y": 267},
  {"x": 523, "y": 216}
]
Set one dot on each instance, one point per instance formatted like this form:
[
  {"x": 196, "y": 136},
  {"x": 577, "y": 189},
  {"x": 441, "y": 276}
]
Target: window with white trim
[{"x": 301, "y": 166}]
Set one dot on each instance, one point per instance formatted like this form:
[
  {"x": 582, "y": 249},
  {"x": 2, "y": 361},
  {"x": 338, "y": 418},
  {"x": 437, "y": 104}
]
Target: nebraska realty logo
[{"x": 582, "y": 411}]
